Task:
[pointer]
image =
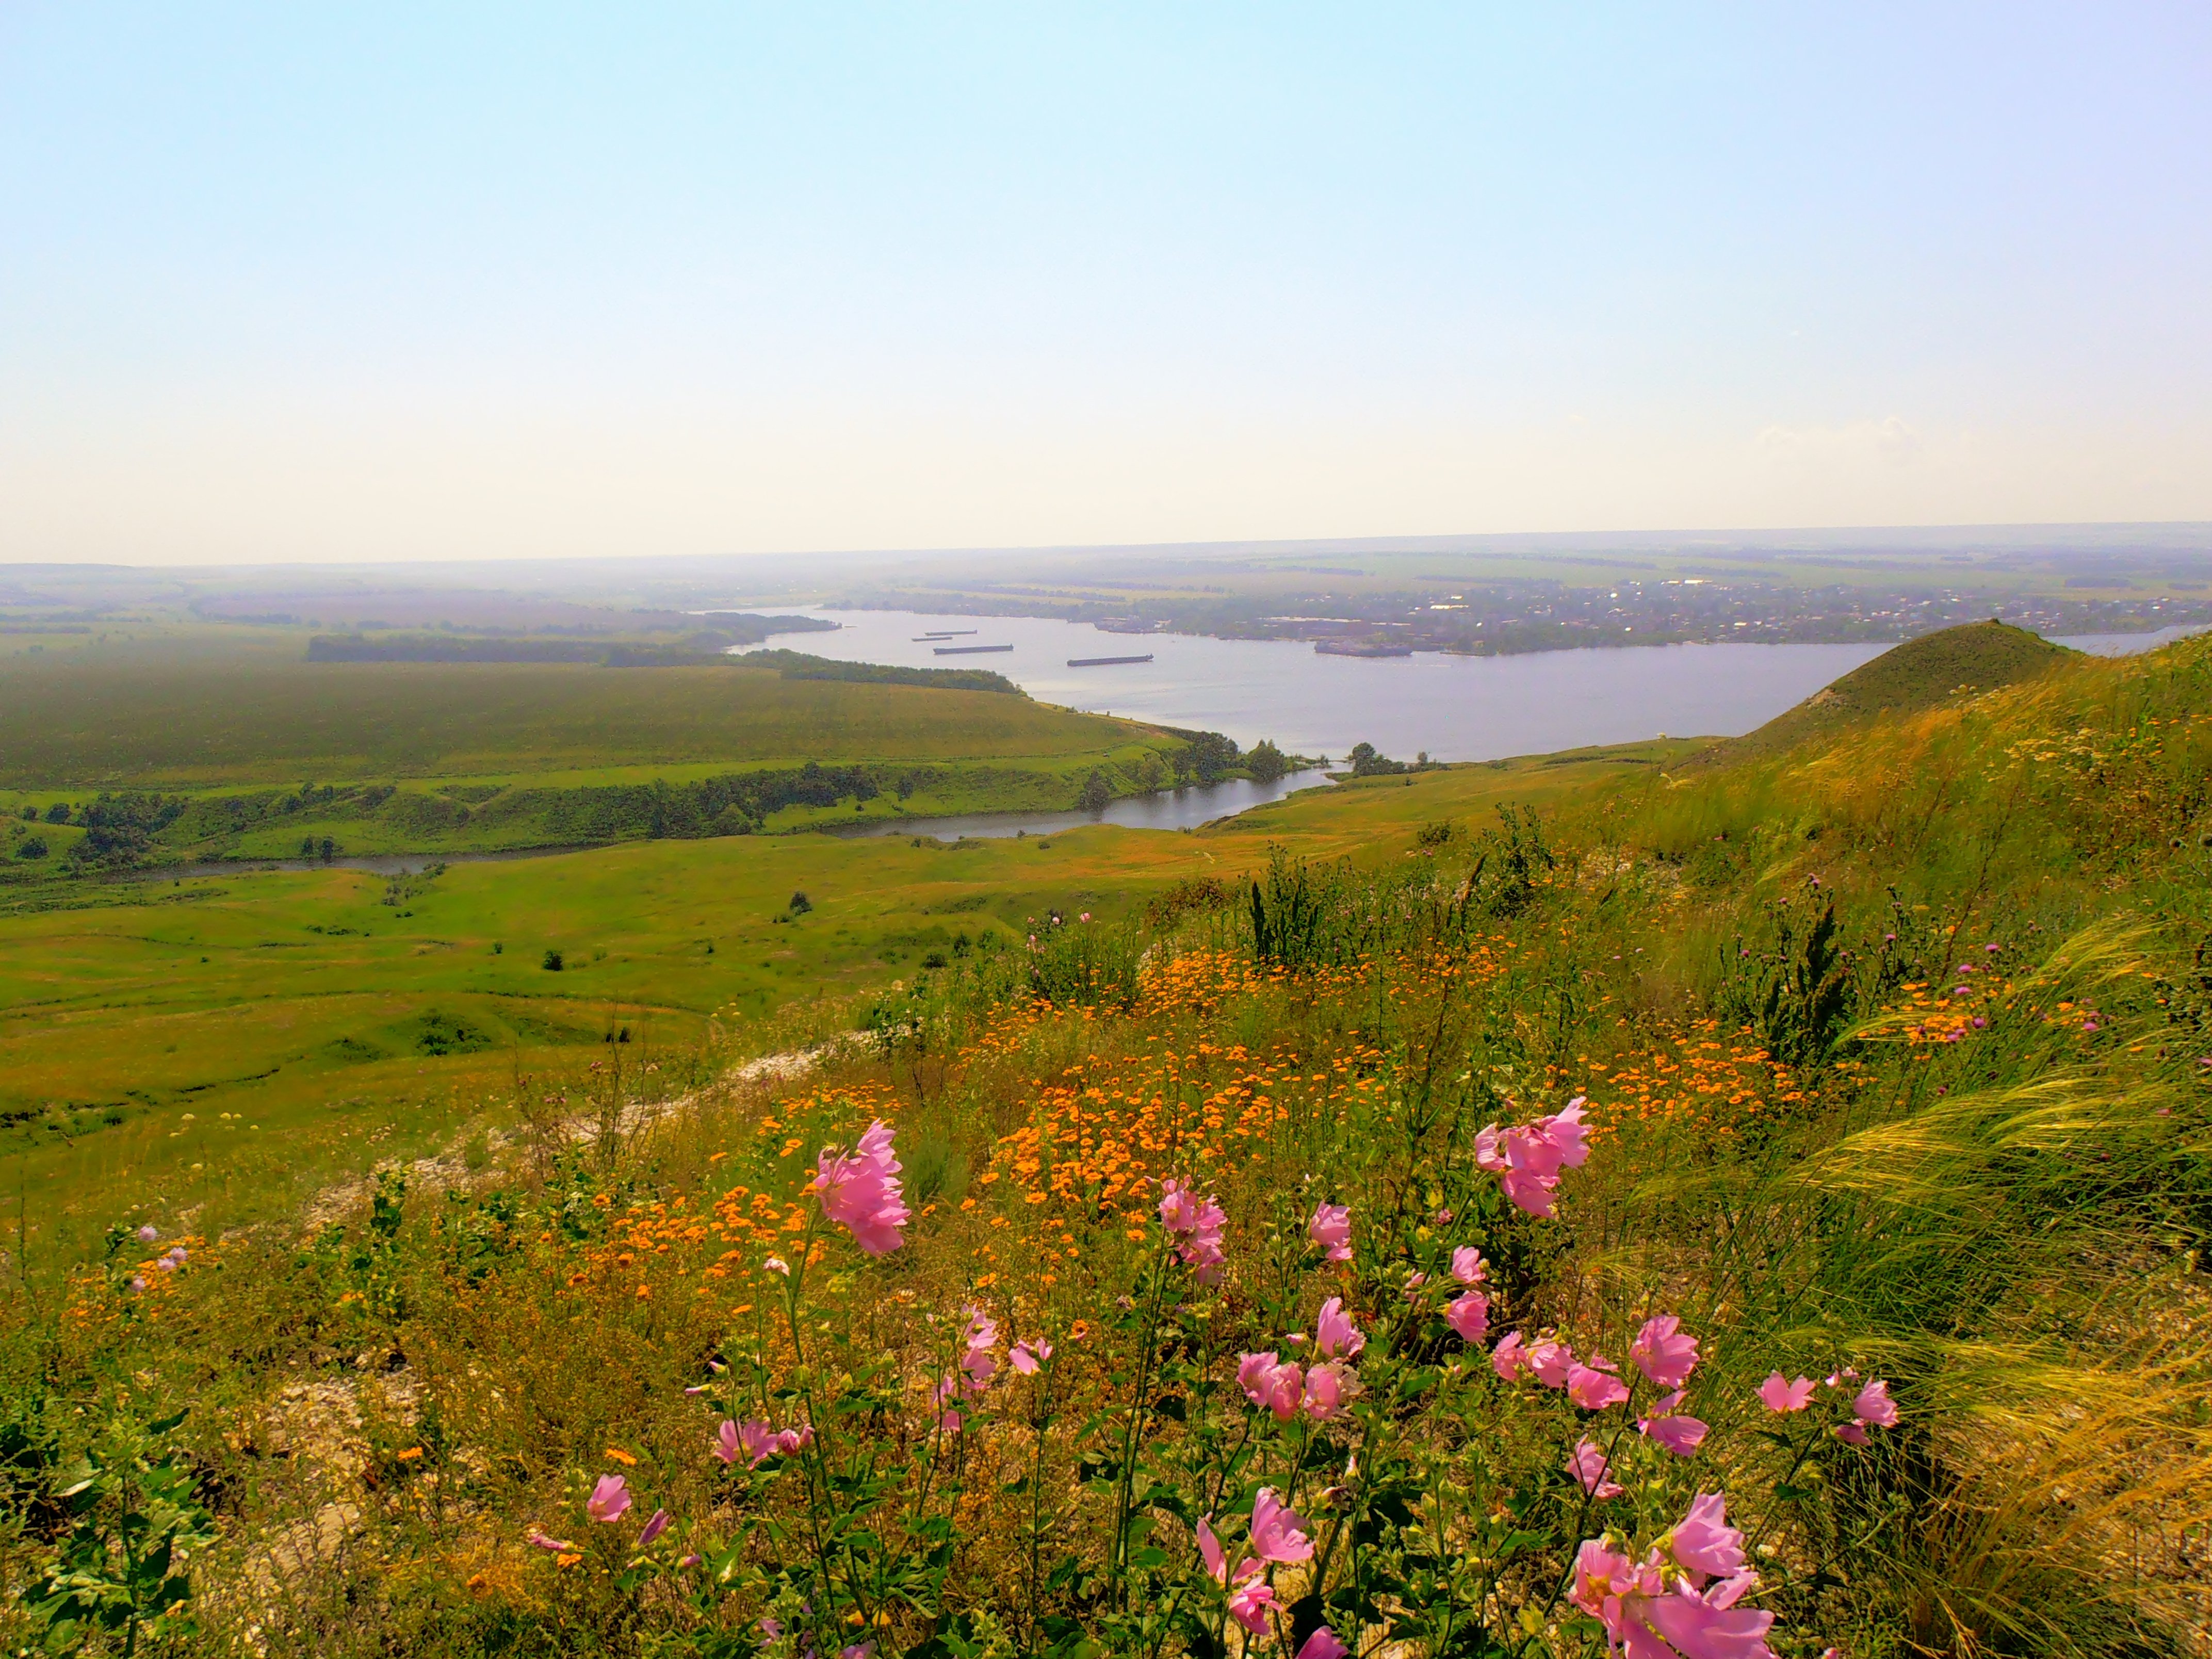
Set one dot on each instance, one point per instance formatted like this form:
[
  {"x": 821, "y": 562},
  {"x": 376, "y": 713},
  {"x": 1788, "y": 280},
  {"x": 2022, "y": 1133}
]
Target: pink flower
[
  {"x": 610, "y": 1500},
  {"x": 1589, "y": 1465},
  {"x": 1852, "y": 1433},
  {"x": 1216, "y": 1559},
  {"x": 1702, "y": 1541},
  {"x": 1645, "y": 1620},
  {"x": 860, "y": 1192},
  {"x": 148, "y": 1233},
  {"x": 653, "y": 1528},
  {"x": 1335, "y": 1337},
  {"x": 1328, "y": 1385},
  {"x": 1323, "y": 1645},
  {"x": 1196, "y": 1227},
  {"x": 1780, "y": 1396},
  {"x": 1550, "y": 1361},
  {"x": 1679, "y": 1435},
  {"x": 776, "y": 1264},
  {"x": 544, "y": 1542},
  {"x": 137, "y": 1281},
  {"x": 1469, "y": 1315},
  {"x": 1468, "y": 1266},
  {"x": 1875, "y": 1405},
  {"x": 976, "y": 1341},
  {"x": 1509, "y": 1358},
  {"x": 1027, "y": 1356},
  {"x": 1179, "y": 1207},
  {"x": 1272, "y": 1386},
  {"x": 1593, "y": 1387},
  {"x": 1278, "y": 1534},
  {"x": 755, "y": 1441},
  {"x": 1330, "y": 1230},
  {"x": 1413, "y": 1283},
  {"x": 1662, "y": 1353},
  {"x": 1249, "y": 1604},
  {"x": 1527, "y": 1159}
]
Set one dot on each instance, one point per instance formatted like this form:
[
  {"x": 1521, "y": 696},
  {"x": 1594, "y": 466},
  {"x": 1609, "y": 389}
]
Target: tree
[
  {"x": 58, "y": 812},
  {"x": 35, "y": 848},
  {"x": 1097, "y": 792},
  {"x": 1264, "y": 761}
]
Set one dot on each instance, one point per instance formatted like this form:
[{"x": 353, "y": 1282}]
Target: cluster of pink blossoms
[
  {"x": 1278, "y": 1535},
  {"x": 1661, "y": 1352},
  {"x": 860, "y": 1191},
  {"x": 1320, "y": 1390},
  {"x": 1871, "y": 1408},
  {"x": 1679, "y": 1601},
  {"x": 1196, "y": 1227},
  {"x": 1526, "y": 1158},
  {"x": 756, "y": 1442},
  {"x": 973, "y": 1373},
  {"x": 1330, "y": 1231}
]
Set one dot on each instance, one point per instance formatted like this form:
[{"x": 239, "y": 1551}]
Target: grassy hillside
[
  {"x": 1916, "y": 674},
  {"x": 1894, "y": 1053},
  {"x": 87, "y": 722}
]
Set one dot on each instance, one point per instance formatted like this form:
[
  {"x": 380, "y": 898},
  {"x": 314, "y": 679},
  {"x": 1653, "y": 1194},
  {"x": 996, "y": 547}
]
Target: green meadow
[{"x": 310, "y": 1021}]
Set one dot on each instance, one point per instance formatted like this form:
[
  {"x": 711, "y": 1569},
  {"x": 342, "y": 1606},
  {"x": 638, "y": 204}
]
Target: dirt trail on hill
[{"x": 449, "y": 1169}]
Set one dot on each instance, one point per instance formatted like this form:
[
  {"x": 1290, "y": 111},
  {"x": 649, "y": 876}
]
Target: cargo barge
[
  {"x": 970, "y": 650},
  {"x": 1105, "y": 662}
]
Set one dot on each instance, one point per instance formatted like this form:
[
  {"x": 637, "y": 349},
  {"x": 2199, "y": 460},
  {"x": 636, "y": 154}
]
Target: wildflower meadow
[{"x": 1753, "y": 1212}]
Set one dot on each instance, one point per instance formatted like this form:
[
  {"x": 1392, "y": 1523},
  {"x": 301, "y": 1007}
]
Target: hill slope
[{"x": 1916, "y": 674}]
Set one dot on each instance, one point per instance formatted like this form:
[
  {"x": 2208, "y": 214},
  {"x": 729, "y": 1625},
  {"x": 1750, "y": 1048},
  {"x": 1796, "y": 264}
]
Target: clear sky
[{"x": 329, "y": 282}]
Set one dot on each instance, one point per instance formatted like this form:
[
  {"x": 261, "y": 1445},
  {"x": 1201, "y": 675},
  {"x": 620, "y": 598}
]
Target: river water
[{"x": 1457, "y": 709}]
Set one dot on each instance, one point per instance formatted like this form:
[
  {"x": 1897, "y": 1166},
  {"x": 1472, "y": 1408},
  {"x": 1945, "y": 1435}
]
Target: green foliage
[{"x": 120, "y": 1575}]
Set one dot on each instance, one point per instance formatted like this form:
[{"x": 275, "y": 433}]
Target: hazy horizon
[{"x": 351, "y": 287}]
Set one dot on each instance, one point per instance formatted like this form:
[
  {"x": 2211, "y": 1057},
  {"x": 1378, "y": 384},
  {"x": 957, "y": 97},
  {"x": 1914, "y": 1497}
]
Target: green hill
[{"x": 1916, "y": 674}]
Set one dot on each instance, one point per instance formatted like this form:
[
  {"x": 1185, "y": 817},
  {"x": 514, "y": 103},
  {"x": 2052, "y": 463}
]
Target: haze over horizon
[{"x": 360, "y": 286}]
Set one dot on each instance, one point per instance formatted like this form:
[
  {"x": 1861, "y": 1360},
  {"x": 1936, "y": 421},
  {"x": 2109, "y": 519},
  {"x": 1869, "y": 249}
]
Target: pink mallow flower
[
  {"x": 1526, "y": 1158},
  {"x": 1778, "y": 1395},
  {"x": 1195, "y": 1224},
  {"x": 1216, "y": 1559},
  {"x": 1679, "y": 1434},
  {"x": 1662, "y": 1353},
  {"x": 1509, "y": 1358},
  {"x": 860, "y": 1191},
  {"x": 1335, "y": 1337},
  {"x": 1323, "y": 1645},
  {"x": 1027, "y": 1356},
  {"x": 544, "y": 1541},
  {"x": 1875, "y": 1405},
  {"x": 653, "y": 1528},
  {"x": 1278, "y": 1534},
  {"x": 1272, "y": 1385},
  {"x": 1248, "y": 1604},
  {"x": 1589, "y": 1465},
  {"x": 610, "y": 1500},
  {"x": 1551, "y": 1362},
  {"x": 1645, "y": 1618},
  {"x": 755, "y": 1441},
  {"x": 1594, "y": 1387},
  {"x": 1468, "y": 1266},
  {"x": 1329, "y": 1386},
  {"x": 1468, "y": 1315},
  {"x": 977, "y": 1342},
  {"x": 1330, "y": 1230}
]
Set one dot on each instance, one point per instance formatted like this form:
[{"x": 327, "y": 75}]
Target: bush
[{"x": 551, "y": 961}]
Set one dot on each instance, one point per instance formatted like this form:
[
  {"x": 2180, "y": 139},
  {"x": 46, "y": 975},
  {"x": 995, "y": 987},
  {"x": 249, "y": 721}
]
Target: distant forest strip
[
  {"x": 126, "y": 830},
  {"x": 700, "y": 651}
]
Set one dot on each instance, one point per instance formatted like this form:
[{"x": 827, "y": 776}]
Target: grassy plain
[
  {"x": 1894, "y": 1047},
  {"x": 303, "y": 1003},
  {"x": 91, "y": 719}
]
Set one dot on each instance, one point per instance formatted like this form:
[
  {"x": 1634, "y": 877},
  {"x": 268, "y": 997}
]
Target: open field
[
  {"x": 302, "y": 1002},
  {"x": 116, "y": 722},
  {"x": 1892, "y": 1048}
]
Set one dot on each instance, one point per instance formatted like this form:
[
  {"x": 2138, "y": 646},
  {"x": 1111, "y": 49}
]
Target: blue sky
[{"x": 334, "y": 282}]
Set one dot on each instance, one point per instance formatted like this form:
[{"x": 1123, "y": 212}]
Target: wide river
[{"x": 1457, "y": 709}]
